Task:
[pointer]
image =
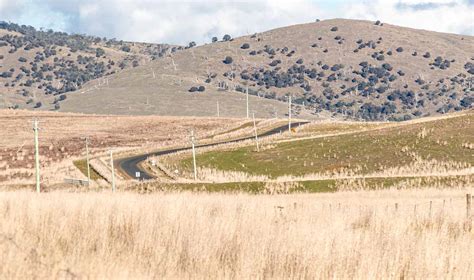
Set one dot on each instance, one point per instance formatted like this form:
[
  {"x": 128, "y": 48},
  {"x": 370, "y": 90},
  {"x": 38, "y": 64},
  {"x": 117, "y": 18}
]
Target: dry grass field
[
  {"x": 61, "y": 139},
  {"x": 390, "y": 234}
]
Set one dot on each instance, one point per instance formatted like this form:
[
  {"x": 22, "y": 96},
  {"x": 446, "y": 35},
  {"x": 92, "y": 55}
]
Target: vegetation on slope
[
  {"x": 361, "y": 71},
  {"x": 449, "y": 140}
]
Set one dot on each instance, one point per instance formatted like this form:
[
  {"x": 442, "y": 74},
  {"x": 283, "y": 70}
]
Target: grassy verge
[
  {"x": 319, "y": 186},
  {"x": 82, "y": 166}
]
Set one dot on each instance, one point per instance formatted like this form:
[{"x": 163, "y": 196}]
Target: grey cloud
[{"x": 424, "y": 6}]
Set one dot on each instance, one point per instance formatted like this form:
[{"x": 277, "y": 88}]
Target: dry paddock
[{"x": 390, "y": 234}]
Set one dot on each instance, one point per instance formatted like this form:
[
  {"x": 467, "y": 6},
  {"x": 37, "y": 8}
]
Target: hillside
[
  {"x": 360, "y": 69},
  {"x": 334, "y": 149},
  {"x": 38, "y": 68},
  {"x": 350, "y": 68}
]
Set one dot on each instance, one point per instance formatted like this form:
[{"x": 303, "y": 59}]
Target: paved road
[{"x": 130, "y": 165}]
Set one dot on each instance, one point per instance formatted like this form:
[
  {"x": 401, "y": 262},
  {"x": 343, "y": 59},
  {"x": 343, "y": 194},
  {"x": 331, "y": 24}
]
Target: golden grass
[
  {"x": 61, "y": 139},
  {"x": 360, "y": 235}
]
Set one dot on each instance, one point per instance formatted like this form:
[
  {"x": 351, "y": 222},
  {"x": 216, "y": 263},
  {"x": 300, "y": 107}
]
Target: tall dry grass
[{"x": 342, "y": 235}]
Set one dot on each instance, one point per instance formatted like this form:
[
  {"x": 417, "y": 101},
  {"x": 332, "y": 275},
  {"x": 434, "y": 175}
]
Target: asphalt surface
[{"x": 130, "y": 165}]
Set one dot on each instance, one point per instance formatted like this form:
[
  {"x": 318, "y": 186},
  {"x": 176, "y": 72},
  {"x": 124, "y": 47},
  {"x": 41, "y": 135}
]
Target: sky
[{"x": 179, "y": 22}]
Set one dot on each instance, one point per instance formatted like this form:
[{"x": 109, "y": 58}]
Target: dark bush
[
  {"x": 275, "y": 62},
  {"x": 226, "y": 38},
  {"x": 387, "y": 67},
  {"x": 228, "y": 60},
  {"x": 427, "y": 55},
  {"x": 377, "y": 22},
  {"x": 125, "y": 48},
  {"x": 467, "y": 102},
  {"x": 38, "y": 105},
  {"x": 22, "y": 59},
  {"x": 245, "y": 46},
  {"x": 399, "y": 49},
  {"x": 214, "y": 39},
  {"x": 334, "y": 29},
  {"x": 201, "y": 88},
  {"x": 191, "y": 44},
  {"x": 193, "y": 89},
  {"x": 99, "y": 52},
  {"x": 299, "y": 61}
]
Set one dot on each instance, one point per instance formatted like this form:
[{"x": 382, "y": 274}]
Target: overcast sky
[{"x": 178, "y": 22}]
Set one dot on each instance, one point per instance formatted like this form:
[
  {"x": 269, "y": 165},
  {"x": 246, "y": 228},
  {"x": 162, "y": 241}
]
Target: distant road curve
[{"x": 130, "y": 165}]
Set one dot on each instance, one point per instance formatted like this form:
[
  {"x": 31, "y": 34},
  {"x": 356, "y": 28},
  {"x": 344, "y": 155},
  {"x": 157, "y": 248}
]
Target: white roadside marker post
[{"x": 194, "y": 154}]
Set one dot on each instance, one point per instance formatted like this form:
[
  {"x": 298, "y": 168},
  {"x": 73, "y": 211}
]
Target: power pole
[
  {"x": 247, "y": 91},
  {"x": 87, "y": 161},
  {"x": 289, "y": 113},
  {"x": 255, "y": 129},
  {"x": 37, "y": 163},
  {"x": 218, "y": 112},
  {"x": 194, "y": 154},
  {"x": 113, "y": 171}
]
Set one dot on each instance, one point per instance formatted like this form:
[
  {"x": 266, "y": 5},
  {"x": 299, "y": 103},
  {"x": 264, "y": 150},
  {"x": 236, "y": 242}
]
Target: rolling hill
[
  {"x": 350, "y": 68},
  {"x": 38, "y": 68}
]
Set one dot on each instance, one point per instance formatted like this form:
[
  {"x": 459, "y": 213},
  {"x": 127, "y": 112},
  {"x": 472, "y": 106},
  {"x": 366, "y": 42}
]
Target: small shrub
[{"x": 228, "y": 60}]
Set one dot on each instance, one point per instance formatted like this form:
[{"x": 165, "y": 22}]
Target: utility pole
[
  {"x": 193, "y": 139},
  {"x": 247, "y": 91},
  {"x": 289, "y": 113},
  {"x": 113, "y": 171},
  {"x": 255, "y": 129},
  {"x": 87, "y": 161},
  {"x": 37, "y": 163},
  {"x": 218, "y": 112}
]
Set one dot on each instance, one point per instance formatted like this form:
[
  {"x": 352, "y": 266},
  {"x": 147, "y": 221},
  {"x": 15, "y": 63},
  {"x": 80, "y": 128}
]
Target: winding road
[{"x": 131, "y": 165}]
